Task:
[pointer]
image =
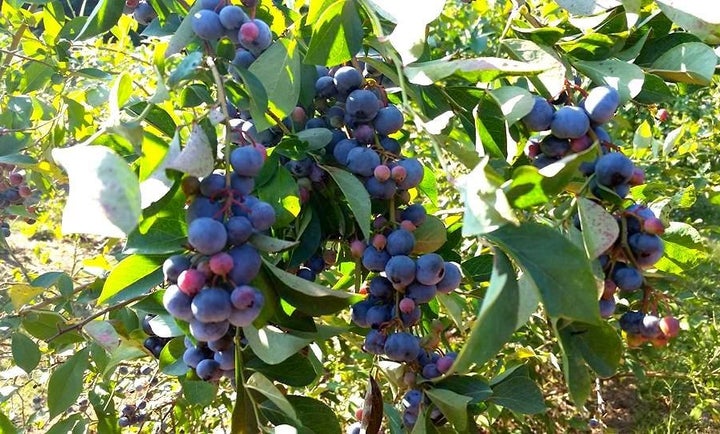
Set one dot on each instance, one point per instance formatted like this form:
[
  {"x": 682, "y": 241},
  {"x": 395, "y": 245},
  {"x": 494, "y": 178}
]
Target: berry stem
[{"x": 222, "y": 101}]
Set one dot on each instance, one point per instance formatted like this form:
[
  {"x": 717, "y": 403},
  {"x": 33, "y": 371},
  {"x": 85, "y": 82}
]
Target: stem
[
  {"x": 279, "y": 122},
  {"x": 222, "y": 101},
  {"x": 94, "y": 316},
  {"x": 29, "y": 59}
]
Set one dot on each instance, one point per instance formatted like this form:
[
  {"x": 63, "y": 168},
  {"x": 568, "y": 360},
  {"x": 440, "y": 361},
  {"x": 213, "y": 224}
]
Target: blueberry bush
[{"x": 345, "y": 215}]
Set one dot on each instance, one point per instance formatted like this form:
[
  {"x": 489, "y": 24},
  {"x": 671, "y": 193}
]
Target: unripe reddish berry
[
  {"x": 670, "y": 326},
  {"x": 638, "y": 177},
  {"x": 221, "y": 263},
  {"x": 398, "y": 173},
  {"x": 382, "y": 173},
  {"x": 379, "y": 241},
  {"x": 191, "y": 281},
  {"x": 15, "y": 178},
  {"x": 190, "y": 185},
  {"x": 406, "y": 305},
  {"x": 662, "y": 115},
  {"x": 249, "y": 31},
  {"x": 24, "y": 191},
  {"x": 654, "y": 226},
  {"x": 408, "y": 225},
  {"x": 357, "y": 248}
]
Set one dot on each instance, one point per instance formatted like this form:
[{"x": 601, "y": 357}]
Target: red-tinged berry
[
  {"x": 190, "y": 185},
  {"x": 379, "y": 241},
  {"x": 653, "y": 225},
  {"x": 670, "y": 326},
  {"x": 662, "y": 115},
  {"x": 357, "y": 248},
  {"x": 221, "y": 263},
  {"x": 399, "y": 173},
  {"x": 16, "y": 178},
  {"x": 24, "y": 191},
  {"x": 191, "y": 281},
  {"x": 249, "y": 31},
  {"x": 408, "y": 225},
  {"x": 329, "y": 257},
  {"x": 638, "y": 177},
  {"x": 406, "y": 305},
  {"x": 382, "y": 173}
]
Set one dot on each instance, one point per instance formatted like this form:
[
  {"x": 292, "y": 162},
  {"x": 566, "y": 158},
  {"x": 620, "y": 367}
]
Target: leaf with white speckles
[
  {"x": 104, "y": 194},
  {"x": 599, "y": 228},
  {"x": 196, "y": 158}
]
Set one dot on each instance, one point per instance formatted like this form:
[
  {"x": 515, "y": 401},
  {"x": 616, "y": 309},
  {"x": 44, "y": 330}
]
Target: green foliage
[{"x": 107, "y": 118}]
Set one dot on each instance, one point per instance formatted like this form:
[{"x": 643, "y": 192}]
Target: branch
[{"x": 94, "y": 316}]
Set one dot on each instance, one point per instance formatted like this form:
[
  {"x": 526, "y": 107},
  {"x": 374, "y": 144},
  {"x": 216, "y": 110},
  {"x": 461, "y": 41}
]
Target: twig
[{"x": 94, "y": 316}]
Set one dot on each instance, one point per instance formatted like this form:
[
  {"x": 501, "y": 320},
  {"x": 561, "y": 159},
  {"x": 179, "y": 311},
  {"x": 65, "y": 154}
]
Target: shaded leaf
[{"x": 104, "y": 194}]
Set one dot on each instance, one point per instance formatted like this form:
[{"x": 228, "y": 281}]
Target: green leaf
[
  {"x": 133, "y": 276},
  {"x": 161, "y": 234},
  {"x": 483, "y": 69},
  {"x": 515, "y": 102},
  {"x": 45, "y": 325},
  {"x": 104, "y": 194},
  {"x": 307, "y": 296},
  {"x": 74, "y": 424},
  {"x": 519, "y": 394},
  {"x": 486, "y": 207},
  {"x": 571, "y": 295},
  {"x": 496, "y": 320},
  {"x": 473, "y": 387},
  {"x": 12, "y": 143},
  {"x": 683, "y": 249},
  {"x": 356, "y": 195},
  {"x": 187, "y": 69},
  {"x": 600, "y": 229},
  {"x": 577, "y": 376},
  {"x": 692, "y": 62},
  {"x": 408, "y": 37},
  {"x": 625, "y": 77},
  {"x": 315, "y": 415},
  {"x": 261, "y": 384},
  {"x": 6, "y": 425},
  {"x": 105, "y": 411},
  {"x": 295, "y": 371},
  {"x": 654, "y": 91},
  {"x": 278, "y": 69},
  {"x": 490, "y": 128},
  {"x": 272, "y": 345},
  {"x": 258, "y": 98},
  {"x": 128, "y": 350},
  {"x": 199, "y": 393},
  {"x": 695, "y": 17},
  {"x": 600, "y": 346},
  {"x": 184, "y": 34},
  {"x": 282, "y": 193},
  {"x": 106, "y": 14},
  {"x": 316, "y": 138},
  {"x": 584, "y": 7},
  {"x": 269, "y": 244},
  {"x": 430, "y": 236},
  {"x": 171, "y": 357},
  {"x": 66, "y": 382},
  {"x": 336, "y": 34},
  {"x": 453, "y": 406},
  {"x": 25, "y": 351},
  {"x": 548, "y": 83}
]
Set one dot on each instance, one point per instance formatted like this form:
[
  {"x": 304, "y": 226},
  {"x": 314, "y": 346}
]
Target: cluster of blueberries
[
  {"x": 14, "y": 191},
  {"x": 574, "y": 129},
  {"x": 210, "y": 286}
]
